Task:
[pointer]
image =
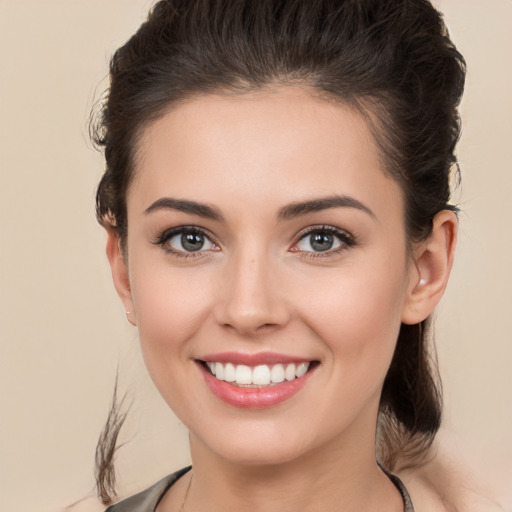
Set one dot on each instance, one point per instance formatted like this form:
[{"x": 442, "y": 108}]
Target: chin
[
  {"x": 258, "y": 456},
  {"x": 256, "y": 446}
]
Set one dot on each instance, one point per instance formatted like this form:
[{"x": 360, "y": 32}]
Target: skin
[
  {"x": 258, "y": 285},
  {"x": 447, "y": 482}
]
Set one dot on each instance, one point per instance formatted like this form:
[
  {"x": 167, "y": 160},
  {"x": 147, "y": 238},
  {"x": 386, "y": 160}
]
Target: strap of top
[
  {"x": 148, "y": 500},
  {"x": 403, "y": 491}
]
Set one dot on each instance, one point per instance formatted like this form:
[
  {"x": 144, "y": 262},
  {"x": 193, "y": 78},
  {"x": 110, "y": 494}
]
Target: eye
[
  {"x": 184, "y": 241},
  {"x": 190, "y": 241},
  {"x": 324, "y": 239}
]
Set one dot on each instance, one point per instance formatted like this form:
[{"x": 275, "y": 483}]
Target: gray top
[{"x": 148, "y": 500}]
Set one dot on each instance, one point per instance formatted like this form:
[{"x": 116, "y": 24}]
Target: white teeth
[
  {"x": 277, "y": 374},
  {"x": 261, "y": 375},
  {"x": 243, "y": 374},
  {"x": 219, "y": 371},
  {"x": 289, "y": 373},
  {"x": 229, "y": 372},
  {"x": 301, "y": 369}
]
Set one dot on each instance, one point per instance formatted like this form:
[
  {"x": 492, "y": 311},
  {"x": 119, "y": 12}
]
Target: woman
[{"x": 276, "y": 199}]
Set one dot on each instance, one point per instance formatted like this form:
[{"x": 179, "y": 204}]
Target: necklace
[{"x": 182, "y": 507}]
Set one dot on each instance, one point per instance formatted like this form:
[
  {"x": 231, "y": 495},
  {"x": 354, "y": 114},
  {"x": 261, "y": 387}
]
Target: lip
[
  {"x": 255, "y": 398},
  {"x": 252, "y": 359}
]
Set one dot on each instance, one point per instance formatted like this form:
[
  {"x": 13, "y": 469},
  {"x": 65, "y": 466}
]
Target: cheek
[
  {"x": 358, "y": 323},
  {"x": 171, "y": 305},
  {"x": 357, "y": 314}
]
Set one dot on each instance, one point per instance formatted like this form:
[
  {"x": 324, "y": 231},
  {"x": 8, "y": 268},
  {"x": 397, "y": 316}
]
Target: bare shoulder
[
  {"x": 445, "y": 495},
  {"x": 445, "y": 483}
]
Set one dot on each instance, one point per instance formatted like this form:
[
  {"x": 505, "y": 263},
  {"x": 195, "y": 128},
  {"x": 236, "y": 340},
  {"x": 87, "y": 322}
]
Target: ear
[
  {"x": 120, "y": 274},
  {"x": 433, "y": 259}
]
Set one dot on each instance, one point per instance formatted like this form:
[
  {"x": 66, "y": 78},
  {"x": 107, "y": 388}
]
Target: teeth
[
  {"x": 289, "y": 373},
  {"x": 243, "y": 374},
  {"x": 262, "y": 375},
  {"x": 277, "y": 374},
  {"x": 229, "y": 372},
  {"x": 219, "y": 371},
  {"x": 301, "y": 369}
]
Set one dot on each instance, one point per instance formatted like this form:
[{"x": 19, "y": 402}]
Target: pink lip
[
  {"x": 253, "y": 398},
  {"x": 252, "y": 359}
]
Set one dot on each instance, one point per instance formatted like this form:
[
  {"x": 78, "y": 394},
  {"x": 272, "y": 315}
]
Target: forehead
[{"x": 275, "y": 145}]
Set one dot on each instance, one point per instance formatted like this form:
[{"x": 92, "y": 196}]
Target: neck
[{"x": 330, "y": 479}]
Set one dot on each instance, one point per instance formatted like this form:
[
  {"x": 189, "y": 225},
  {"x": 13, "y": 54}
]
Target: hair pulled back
[{"x": 391, "y": 60}]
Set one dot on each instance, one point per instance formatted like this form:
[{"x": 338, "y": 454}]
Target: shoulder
[
  {"x": 427, "y": 497},
  {"x": 445, "y": 485},
  {"x": 147, "y": 500}
]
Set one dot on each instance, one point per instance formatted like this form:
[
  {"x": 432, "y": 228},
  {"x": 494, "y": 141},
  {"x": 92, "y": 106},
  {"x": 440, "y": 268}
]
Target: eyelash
[
  {"x": 163, "y": 239},
  {"x": 345, "y": 240}
]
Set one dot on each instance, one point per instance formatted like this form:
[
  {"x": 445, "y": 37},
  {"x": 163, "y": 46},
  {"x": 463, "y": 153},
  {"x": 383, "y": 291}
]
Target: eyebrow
[
  {"x": 323, "y": 203},
  {"x": 182, "y": 205},
  {"x": 289, "y": 211}
]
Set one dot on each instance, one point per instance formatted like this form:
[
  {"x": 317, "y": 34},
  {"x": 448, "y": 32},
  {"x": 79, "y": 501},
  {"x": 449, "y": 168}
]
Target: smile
[
  {"x": 257, "y": 381},
  {"x": 257, "y": 376}
]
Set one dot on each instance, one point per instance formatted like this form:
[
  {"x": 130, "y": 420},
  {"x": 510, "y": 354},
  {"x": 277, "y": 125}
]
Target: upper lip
[{"x": 259, "y": 358}]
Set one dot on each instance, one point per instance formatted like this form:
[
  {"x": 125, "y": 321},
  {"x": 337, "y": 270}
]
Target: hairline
[{"x": 369, "y": 107}]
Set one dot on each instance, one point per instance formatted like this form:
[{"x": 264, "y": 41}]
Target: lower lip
[{"x": 253, "y": 398}]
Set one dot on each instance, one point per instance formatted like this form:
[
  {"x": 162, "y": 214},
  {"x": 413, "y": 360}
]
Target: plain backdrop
[{"x": 62, "y": 329}]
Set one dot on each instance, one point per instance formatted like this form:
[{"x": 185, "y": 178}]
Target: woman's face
[{"x": 263, "y": 233}]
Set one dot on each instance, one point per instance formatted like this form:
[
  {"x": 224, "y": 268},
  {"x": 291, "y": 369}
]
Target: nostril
[
  {"x": 267, "y": 327},
  {"x": 249, "y": 309},
  {"x": 250, "y": 328}
]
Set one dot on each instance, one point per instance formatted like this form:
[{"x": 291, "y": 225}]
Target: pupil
[
  {"x": 192, "y": 241},
  {"x": 321, "y": 241}
]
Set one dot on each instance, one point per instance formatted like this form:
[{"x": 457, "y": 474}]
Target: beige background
[{"x": 62, "y": 329}]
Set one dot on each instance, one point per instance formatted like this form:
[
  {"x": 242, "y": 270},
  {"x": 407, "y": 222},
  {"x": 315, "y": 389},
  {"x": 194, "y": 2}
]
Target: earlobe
[
  {"x": 120, "y": 274},
  {"x": 433, "y": 262}
]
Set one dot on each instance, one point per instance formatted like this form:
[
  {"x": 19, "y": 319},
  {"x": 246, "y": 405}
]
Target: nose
[{"x": 251, "y": 299}]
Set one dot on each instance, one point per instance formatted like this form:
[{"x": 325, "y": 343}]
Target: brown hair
[{"x": 391, "y": 60}]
